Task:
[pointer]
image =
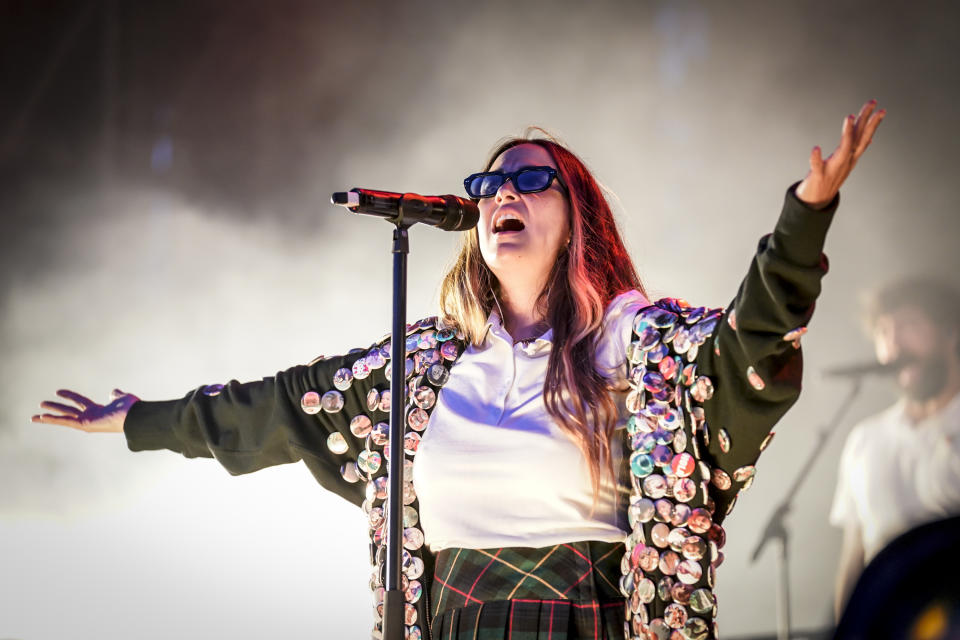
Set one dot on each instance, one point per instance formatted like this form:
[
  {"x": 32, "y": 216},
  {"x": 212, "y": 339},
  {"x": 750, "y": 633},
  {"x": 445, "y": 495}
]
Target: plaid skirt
[{"x": 564, "y": 592}]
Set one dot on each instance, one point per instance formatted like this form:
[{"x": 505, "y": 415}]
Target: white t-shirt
[
  {"x": 896, "y": 475},
  {"x": 493, "y": 468}
]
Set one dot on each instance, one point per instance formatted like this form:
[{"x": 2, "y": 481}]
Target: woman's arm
[
  {"x": 707, "y": 385},
  {"x": 754, "y": 356},
  {"x": 298, "y": 414}
]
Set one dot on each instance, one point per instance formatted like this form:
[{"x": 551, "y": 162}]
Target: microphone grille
[{"x": 462, "y": 215}]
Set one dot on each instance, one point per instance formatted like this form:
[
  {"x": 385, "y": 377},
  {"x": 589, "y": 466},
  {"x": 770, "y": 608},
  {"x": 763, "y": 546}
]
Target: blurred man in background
[{"x": 901, "y": 468}]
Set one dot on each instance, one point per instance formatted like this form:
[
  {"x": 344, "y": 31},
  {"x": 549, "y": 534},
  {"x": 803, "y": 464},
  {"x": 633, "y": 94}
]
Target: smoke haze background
[{"x": 165, "y": 172}]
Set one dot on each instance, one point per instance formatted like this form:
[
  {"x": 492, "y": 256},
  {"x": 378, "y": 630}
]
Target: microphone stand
[
  {"x": 393, "y": 601},
  {"x": 776, "y": 529},
  {"x": 403, "y": 211}
]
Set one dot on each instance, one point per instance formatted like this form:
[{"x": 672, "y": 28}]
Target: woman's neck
[{"x": 519, "y": 311}]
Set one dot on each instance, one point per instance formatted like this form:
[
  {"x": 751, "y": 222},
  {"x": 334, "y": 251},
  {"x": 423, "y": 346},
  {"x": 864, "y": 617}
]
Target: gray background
[{"x": 164, "y": 176}]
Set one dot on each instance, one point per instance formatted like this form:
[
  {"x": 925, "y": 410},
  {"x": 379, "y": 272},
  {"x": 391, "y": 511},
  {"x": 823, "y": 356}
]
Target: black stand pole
[
  {"x": 403, "y": 211},
  {"x": 393, "y": 613},
  {"x": 776, "y": 528}
]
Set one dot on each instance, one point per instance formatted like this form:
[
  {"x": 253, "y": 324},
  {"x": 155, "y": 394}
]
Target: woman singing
[{"x": 570, "y": 448}]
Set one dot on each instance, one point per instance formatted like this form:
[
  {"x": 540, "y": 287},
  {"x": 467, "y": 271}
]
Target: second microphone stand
[{"x": 776, "y": 529}]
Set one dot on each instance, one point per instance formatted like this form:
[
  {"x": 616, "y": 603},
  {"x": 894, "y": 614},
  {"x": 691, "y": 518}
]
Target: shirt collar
[
  {"x": 495, "y": 326},
  {"x": 947, "y": 419}
]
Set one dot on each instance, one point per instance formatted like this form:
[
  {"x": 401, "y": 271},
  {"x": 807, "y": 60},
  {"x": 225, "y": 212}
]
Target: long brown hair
[{"x": 589, "y": 272}]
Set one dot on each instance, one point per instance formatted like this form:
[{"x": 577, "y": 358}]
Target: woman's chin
[
  {"x": 512, "y": 264},
  {"x": 503, "y": 253}
]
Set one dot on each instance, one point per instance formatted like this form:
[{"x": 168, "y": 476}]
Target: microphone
[
  {"x": 863, "y": 369},
  {"x": 449, "y": 213}
]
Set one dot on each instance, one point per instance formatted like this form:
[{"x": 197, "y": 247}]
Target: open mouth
[{"x": 508, "y": 223}]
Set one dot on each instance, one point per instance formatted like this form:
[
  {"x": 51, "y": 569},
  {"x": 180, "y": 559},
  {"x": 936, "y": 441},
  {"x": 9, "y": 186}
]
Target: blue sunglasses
[{"x": 525, "y": 179}]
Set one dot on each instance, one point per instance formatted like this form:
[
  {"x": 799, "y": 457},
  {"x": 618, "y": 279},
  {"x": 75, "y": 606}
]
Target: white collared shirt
[
  {"x": 895, "y": 475},
  {"x": 493, "y": 468}
]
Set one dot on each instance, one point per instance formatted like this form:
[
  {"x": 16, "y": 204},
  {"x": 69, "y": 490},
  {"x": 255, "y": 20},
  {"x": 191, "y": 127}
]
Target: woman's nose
[{"x": 507, "y": 191}]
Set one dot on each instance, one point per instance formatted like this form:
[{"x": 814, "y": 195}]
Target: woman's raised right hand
[{"x": 85, "y": 414}]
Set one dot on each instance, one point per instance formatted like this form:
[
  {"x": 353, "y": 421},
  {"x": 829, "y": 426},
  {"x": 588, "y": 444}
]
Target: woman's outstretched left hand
[{"x": 825, "y": 177}]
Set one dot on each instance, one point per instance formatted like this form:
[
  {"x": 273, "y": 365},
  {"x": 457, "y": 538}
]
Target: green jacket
[{"x": 706, "y": 388}]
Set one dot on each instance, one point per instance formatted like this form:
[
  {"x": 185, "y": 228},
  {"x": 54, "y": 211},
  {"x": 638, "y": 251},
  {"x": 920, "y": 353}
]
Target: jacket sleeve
[
  {"x": 298, "y": 414},
  {"x": 753, "y": 356}
]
